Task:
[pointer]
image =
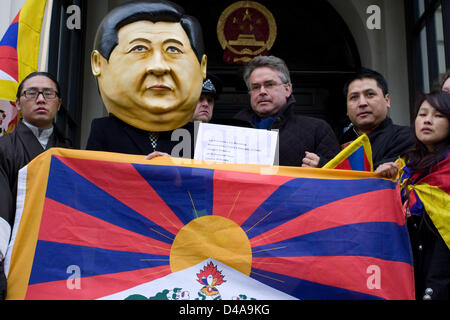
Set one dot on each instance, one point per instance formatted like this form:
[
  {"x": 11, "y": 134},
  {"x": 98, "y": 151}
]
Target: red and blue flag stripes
[
  {"x": 9, "y": 68},
  {"x": 313, "y": 233},
  {"x": 356, "y": 161},
  {"x": 19, "y": 55},
  {"x": 429, "y": 192}
]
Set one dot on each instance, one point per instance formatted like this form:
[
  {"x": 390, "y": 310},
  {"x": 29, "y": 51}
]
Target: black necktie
[{"x": 153, "y": 136}]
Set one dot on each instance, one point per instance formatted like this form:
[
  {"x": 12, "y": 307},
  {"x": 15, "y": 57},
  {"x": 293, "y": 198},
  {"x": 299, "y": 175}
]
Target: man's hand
[
  {"x": 387, "y": 170},
  {"x": 155, "y": 154},
  {"x": 311, "y": 160}
]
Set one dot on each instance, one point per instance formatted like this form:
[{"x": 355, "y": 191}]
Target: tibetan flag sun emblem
[{"x": 126, "y": 222}]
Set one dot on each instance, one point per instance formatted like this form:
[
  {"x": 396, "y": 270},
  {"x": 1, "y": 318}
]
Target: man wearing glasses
[
  {"x": 303, "y": 141},
  {"x": 38, "y": 99}
]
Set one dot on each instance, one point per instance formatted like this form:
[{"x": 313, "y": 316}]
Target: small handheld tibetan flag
[{"x": 356, "y": 156}]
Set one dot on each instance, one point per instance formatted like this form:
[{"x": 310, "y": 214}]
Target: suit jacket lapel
[
  {"x": 139, "y": 138},
  {"x": 30, "y": 143},
  {"x": 51, "y": 141}
]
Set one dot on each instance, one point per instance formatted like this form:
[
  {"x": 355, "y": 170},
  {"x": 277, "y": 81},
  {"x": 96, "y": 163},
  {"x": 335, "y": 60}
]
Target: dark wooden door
[{"x": 313, "y": 40}]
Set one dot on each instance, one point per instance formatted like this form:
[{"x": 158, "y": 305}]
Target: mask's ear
[
  {"x": 96, "y": 63},
  {"x": 203, "y": 65}
]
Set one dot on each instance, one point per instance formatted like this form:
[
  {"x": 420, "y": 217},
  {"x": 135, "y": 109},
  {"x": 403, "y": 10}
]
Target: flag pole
[{"x": 46, "y": 40}]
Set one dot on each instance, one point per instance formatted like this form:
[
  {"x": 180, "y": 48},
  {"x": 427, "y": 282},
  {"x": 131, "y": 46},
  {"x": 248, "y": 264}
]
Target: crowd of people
[{"x": 399, "y": 152}]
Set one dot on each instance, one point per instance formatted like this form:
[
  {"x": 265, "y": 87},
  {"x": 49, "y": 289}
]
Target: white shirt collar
[{"x": 42, "y": 135}]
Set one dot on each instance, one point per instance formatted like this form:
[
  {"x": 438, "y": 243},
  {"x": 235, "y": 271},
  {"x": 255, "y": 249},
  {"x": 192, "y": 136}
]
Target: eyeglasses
[
  {"x": 269, "y": 85},
  {"x": 33, "y": 93}
]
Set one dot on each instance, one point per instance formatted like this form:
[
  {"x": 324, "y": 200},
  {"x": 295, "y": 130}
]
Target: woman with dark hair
[{"x": 425, "y": 187}]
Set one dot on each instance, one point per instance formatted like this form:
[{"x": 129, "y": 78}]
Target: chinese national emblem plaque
[{"x": 245, "y": 30}]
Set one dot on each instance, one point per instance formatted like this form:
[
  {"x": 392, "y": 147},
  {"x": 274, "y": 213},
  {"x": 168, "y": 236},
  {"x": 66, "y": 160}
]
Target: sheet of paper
[{"x": 231, "y": 144}]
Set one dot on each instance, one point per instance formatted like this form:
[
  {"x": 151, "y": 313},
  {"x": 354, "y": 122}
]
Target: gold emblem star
[{"x": 247, "y": 16}]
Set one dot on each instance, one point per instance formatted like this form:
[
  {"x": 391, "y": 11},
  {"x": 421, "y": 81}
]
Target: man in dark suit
[
  {"x": 150, "y": 67},
  {"x": 38, "y": 97},
  {"x": 303, "y": 141}
]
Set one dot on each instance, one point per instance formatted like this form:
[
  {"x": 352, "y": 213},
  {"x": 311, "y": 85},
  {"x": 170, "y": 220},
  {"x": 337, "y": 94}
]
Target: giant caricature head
[{"x": 150, "y": 64}]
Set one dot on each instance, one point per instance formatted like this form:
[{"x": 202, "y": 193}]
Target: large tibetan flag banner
[
  {"x": 97, "y": 225},
  {"x": 19, "y": 55},
  {"x": 356, "y": 156}
]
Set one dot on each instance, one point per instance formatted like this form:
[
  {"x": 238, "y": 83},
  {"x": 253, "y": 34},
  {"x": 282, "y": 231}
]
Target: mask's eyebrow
[
  {"x": 170, "y": 40},
  {"x": 167, "y": 41},
  {"x": 140, "y": 40}
]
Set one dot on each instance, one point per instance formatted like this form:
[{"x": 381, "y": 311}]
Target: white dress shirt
[{"x": 41, "y": 134}]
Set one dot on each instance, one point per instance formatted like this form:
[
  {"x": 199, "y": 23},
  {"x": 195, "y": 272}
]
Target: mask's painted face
[{"x": 153, "y": 78}]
